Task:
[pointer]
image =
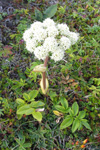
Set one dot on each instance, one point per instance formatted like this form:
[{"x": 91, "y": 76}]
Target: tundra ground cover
[{"x": 76, "y": 78}]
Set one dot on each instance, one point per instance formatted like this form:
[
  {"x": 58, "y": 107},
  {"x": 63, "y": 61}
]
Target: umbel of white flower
[{"x": 49, "y": 39}]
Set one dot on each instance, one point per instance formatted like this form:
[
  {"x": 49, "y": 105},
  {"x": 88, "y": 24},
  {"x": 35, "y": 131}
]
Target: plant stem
[{"x": 44, "y": 73}]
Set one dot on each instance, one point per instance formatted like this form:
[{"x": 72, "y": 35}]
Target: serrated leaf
[
  {"x": 75, "y": 108},
  {"x": 81, "y": 114},
  {"x": 80, "y": 126},
  {"x": 37, "y": 115},
  {"x": 38, "y": 15},
  {"x": 60, "y": 108},
  {"x": 75, "y": 125},
  {"x": 20, "y": 101},
  {"x": 26, "y": 96},
  {"x": 50, "y": 11},
  {"x": 71, "y": 112},
  {"x": 33, "y": 94},
  {"x": 86, "y": 125},
  {"x": 25, "y": 110},
  {"x": 64, "y": 102},
  {"x": 66, "y": 122},
  {"x": 37, "y": 104}
]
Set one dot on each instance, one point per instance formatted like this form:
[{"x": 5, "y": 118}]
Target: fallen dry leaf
[{"x": 74, "y": 83}]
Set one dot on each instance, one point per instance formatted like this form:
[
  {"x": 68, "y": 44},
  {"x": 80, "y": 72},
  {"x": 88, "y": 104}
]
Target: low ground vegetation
[{"x": 74, "y": 81}]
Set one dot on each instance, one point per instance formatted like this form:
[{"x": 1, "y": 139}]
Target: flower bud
[
  {"x": 82, "y": 146},
  {"x": 85, "y": 141},
  {"x": 77, "y": 142}
]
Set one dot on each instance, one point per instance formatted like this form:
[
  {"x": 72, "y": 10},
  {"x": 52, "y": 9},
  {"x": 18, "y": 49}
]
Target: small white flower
[
  {"x": 58, "y": 55},
  {"x": 40, "y": 52},
  {"x": 50, "y": 44},
  {"x": 73, "y": 37},
  {"x": 36, "y": 25},
  {"x": 52, "y": 31},
  {"x": 63, "y": 29},
  {"x": 65, "y": 42},
  {"x": 48, "y": 22},
  {"x": 31, "y": 45},
  {"x": 28, "y": 34},
  {"x": 40, "y": 34}
]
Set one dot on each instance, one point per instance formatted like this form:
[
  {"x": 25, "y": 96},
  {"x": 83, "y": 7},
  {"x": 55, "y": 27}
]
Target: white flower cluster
[{"x": 49, "y": 38}]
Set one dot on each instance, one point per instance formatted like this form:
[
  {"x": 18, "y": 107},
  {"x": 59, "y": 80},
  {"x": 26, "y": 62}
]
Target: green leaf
[
  {"x": 64, "y": 102},
  {"x": 80, "y": 126},
  {"x": 50, "y": 11},
  {"x": 22, "y": 140},
  {"x": 66, "y": 122},
  {"x": 33, "y": 94},
  {"x": 75, "y": 108},
  {"x": 37, "y": 104},
  {"x": 71, "y": 112},
  {"x": 20, "y": 101},
  {"x": 81, "y": 114},
  {"x": 27, "y": 145},
  {"x": 21, "y": 148},
  {"x": 26, "y": 97},
  {"x": 19, "y": 116},
  {"x": 52, "y": 95},
  {"x": 37, "y": 115},
  {"x": 38, "y": 15},
  {"x": 25, "y": 110},
  {"x": 60, "y": 108},
  {"x": 86, "y": 124},
  {"x": 75, "y": 125},
  {"x": 18, "y": 141}
]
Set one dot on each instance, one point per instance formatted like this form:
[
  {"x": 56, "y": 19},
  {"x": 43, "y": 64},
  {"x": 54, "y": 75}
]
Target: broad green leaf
[
  {"x": 86, "y": 125},
  {"x": 80, "y": 126},
  {"x": 60, "y": 108},
  {"x": 71, "y": 112},
  {"x": 66, "y": 122},
  {"x": 75, "y": 125},
  {"x": 50, "y": 11},
  {"x": 64, "y": 102},
  {"x": 37, "y": 104},
  {"x": 37, "y": 115},
  {"x": 33, "y": 94},
  {"x": 26, "y": 96},
  {"x": 83, "y": 120},
  {"x": 81, "y": 114},
  {"x": 38, "y": 15},
  {"x": 19, "y": 116},
  {"x": 26, "y": 109},
  {"x": 75, "y": 108},
  {"x": 20, "y": 101}
]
